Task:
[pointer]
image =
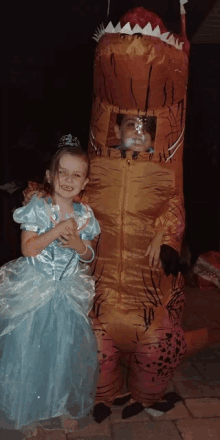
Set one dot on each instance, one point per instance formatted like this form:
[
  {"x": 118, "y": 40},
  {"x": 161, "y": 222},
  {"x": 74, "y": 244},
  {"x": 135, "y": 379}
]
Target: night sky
[{"x": 48, "y": 55}]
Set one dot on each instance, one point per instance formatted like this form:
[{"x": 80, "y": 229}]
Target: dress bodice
[{"x": 54, "y": 261}]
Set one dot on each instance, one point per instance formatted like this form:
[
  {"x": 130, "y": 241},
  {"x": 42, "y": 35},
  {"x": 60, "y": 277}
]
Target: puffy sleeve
[
  {"x": 92, "y": 229},
  {"x": 32, "y": 217}
]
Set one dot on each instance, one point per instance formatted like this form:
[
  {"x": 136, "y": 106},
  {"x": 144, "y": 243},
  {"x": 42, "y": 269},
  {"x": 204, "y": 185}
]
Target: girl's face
[
  {"x": 133, "y": 134},
  {"x": 71, "y": 178}
]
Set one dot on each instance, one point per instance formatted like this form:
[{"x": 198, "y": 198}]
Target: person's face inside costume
[{"x": 133, "y": 133}]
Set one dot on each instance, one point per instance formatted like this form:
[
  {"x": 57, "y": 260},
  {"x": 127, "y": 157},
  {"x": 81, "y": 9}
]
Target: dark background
[{"x": 46, "y": 91}]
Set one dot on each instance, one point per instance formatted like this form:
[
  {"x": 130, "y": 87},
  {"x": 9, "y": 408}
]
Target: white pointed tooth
[
  {"x": 182, "y": 3},
  {"x": 118, "y": 28},
  {"x": 147, "y": 29},
  {"x": 171, "y": 40},
  {"x": 177, "y": 44},
  {"x": 126, "y": 29},
  {"x": 182, "y": 10},
  {"x": 110, "y": 28},
  {"x": 137, "y": 29},
  {"x": 99, "y": 32},
  {"x": 156, "y": 32},
  {"x": 164, "y": 36}
]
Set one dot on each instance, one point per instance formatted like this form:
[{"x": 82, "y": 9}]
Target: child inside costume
[
  {"x": 48, "y": 359},
  {"x": 140, "y": 74},
  {"x": 136, "y": 133}
]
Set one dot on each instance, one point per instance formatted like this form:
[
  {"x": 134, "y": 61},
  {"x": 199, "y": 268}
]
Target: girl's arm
[
  {"x": 83, "y": 247},
  {"x": 88, "y": 252},
  {"x": 33, "y": 244}
]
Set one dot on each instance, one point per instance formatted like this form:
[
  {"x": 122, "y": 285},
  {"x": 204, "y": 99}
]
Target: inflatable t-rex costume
[{"x": 140, "y": 72}]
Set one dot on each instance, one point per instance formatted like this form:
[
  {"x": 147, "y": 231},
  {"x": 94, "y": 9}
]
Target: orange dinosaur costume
[{"x": 140, "y": 72}]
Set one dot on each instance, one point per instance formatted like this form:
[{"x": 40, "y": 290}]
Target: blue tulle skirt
[{"x": 48, "y": 365}]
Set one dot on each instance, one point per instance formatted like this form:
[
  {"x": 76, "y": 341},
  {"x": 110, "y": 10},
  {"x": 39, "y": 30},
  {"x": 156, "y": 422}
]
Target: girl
[{"x": 49, "y": 358}]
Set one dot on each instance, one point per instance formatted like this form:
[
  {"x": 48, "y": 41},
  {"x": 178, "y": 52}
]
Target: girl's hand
[
  {"x": 81, "y": 247},
  {"x": 70, "y": 240},
  {"x": 74, "y": 242},
  {"x": 153, "y": 250},
  {"x": 65, "y": 228}
]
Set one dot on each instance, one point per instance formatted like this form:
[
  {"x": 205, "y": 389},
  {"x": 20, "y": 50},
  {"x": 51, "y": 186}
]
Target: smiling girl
[{"x": 49, "y": 356}]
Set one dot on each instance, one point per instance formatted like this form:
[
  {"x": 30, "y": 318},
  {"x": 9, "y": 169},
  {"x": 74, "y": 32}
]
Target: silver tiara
[{"x": 68, "y": 140}]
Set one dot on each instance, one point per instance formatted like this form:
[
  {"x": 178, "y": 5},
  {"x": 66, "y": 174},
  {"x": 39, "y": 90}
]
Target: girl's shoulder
[
  {"x": 83, "y": 214},
  {"x": 82, "y": 208},
  {"x": 87, "y": 223},
  {"x": 34, "y": 204},
  {"x": 31, "y": 212}
]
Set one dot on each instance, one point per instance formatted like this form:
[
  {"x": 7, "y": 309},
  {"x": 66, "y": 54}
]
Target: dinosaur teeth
[
  {"x": 137, "y": 29},
  {"x": 156, "y": 32},
  {"x": 118, "y": 28},
  {"x": 127, "y": 29},
  {"x": 182, "y": 3},
  {"x": 167, "y": 37},
  {"x": 171, "y": 40},
  {"x": 98, "y": 34},
  {"x": 147, "y": 29},
  {"x": 110, "y": 28}
]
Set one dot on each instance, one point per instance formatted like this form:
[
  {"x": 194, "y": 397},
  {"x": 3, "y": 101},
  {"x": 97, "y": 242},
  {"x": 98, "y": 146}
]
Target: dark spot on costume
[
  {"x": 104, "y": 356},
  {"x": 159, "y": 364},
  {"x": 138, "y": 35},
  {"x": 148, "y": 365},
  {"x": 160, "y": 358},
  {"x": 167, "y": 360},
  {"x": 177, "y": 350},
  {"x": 169, "y": 335}
]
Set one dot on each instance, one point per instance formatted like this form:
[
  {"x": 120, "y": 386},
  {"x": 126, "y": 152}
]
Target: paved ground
[{"x": 197, "y": 380}]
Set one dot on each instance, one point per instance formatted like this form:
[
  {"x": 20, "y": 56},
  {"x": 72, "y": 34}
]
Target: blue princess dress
[{"x": 48, "y": 364}]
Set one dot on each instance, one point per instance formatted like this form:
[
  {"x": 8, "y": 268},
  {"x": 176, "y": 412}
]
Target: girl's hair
[{"x": 76, "y": 151}]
